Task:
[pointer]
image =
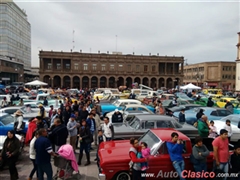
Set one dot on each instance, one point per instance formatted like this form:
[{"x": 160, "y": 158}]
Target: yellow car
[
  {"x": 216, "y": 97},
  {"x": 222, "y": 102}
]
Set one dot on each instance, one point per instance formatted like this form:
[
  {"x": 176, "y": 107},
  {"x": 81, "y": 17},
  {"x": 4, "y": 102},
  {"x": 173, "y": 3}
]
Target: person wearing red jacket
[
  {"x": 32, "y": 126},
  {"x": 136, "y": 160}
]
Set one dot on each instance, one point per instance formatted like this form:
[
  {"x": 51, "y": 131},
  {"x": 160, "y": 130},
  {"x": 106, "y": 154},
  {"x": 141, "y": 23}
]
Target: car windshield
[
  {"x": 7, "y": 119},
  {"x": 151, "y": 139},
  {"x": 223, "y": 112},
  {"x": 26, "y": 109},
  {"x": 116, "y": 103},
  {"x": 166, "y": 102},
  {"x": 135, "y": 123},
  {"x": 105, "y": 96}
]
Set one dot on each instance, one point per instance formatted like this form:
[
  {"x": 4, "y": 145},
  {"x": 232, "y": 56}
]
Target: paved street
[{"x": 24, "y": 167}]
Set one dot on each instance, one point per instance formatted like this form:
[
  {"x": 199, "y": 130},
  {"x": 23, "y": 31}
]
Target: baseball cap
[
  {"x": 116, "y": 110},
  {"x": 72, "y": 116}
]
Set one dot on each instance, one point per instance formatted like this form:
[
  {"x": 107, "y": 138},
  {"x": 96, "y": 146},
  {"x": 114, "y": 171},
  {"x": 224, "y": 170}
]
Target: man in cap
[{"x": 117, "y": 117}]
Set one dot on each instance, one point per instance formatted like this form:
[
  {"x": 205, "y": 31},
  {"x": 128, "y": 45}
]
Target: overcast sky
[{"x": 199, "y": 31}]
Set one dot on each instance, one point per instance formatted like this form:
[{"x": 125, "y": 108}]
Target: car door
[{"x": 160, "y": 163}]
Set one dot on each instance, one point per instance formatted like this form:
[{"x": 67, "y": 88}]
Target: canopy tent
[
  {"x": 190, "y": 86},
  {"x": 36, "y": 83}
]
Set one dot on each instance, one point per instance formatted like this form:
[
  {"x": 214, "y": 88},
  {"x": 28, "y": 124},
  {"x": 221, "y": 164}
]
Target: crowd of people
[{"x": 79, "y": 121}]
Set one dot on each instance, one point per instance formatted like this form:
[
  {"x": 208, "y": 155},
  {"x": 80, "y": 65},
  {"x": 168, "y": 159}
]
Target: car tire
[{"x": 123, "y": 176}]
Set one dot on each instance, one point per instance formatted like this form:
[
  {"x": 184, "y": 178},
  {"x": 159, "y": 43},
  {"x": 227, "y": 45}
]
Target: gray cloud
[{"x": 205, "y": 31}]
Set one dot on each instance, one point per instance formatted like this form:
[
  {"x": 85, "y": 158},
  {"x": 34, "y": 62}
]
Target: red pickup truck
[{"x": 114, "y": 157}]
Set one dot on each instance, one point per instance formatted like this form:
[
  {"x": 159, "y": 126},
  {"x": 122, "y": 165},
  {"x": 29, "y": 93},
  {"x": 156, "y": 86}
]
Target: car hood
[
  {"x": 108, "y": 106},
  {"x": 108, "y": 151}
]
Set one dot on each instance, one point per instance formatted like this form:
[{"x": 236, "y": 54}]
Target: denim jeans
[
  {"x": 179, "y": 167},
  {"x": 45, "y": 168},
  {"x": 85, "y": 147},
  {"x": 222, "y": 166},
  {"x": 137, "y": 175},
  {"x": 199, "y": 168}
]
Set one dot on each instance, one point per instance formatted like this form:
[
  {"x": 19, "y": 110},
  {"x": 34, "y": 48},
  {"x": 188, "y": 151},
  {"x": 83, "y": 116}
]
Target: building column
[
  {"x": 157, "y": 81},
  {"x": 182, "y": 68},
  {"x": 173, "y": 68},
  {"x": 107, "y": 80},
  {"x": 165, "y": 82},
  {"x": 52, "y": 64},
  {"x": 80, "y": 83},
  {"x": 98, "y": 82},
  {"x": 61, "y": 82},
  {"x": 61, "y": 64},
  {"x": 165, "y": 68}
]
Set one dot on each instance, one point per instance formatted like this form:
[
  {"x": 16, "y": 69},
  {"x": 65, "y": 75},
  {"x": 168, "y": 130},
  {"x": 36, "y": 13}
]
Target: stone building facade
[
  {"x": 81, "y": 70},
  {"x": 238, "y": 65},
  {"x": 217, "y": 74}
]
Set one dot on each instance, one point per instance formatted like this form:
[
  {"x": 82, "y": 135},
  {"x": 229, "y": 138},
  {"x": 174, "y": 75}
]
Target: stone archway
[
  {"x": 137, "y": 80},
  {"x": 76, "y": 82},
  {"x": 47, "y": 79},
  {"x": 145, "y": 81},
  {"x": 112, "y": 82},
  {"x": 129, "y": 82},
  {"x": 153, "y": 83},
  {"x": 161, "y": 83},
  {"x": 57, "y": 82},
  {"x": 103, "y": 82},
  {"x": 94, "y": 82},
  {"x": 120, "y": 82},
  {"x": 85, "y": 82},
  {"x": 169, "y": 83},
  {"x": 67, "y": 82}
]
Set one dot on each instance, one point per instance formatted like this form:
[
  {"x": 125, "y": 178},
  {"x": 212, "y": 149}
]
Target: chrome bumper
[{"x": 102, "y": 176}]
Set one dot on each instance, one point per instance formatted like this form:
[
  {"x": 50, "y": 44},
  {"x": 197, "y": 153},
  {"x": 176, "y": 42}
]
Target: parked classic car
[
  {"x": 7, "y": 122},
  {"x": 119, "y": 104},
  {"x": 141, "y": 123},
  {"x": 114, "y": 157},
  {"x": 110, "y": 98},
  {"x": 186, "y": 107},
  {"x": 27, "y": 112},
  {"x": 235, "y": 119},
  {"x": 131, "y": 108},
  {"x": 222, "y": 102},
  {"x": 210, "y": 112},
  {"x": 183, "y": 96}
]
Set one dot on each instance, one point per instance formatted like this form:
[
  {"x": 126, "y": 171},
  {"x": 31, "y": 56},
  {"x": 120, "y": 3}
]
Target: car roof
[
  {"x": 136, "y": 112},
  {"x": 212, "y": 108},
  {"x": 13, "y": 107},
  {"x": 128, "y": 100},
  {"x": 135, "y": 105},
  {"x": 165, "y": 134},
  {"x": 143, "y": 117}
]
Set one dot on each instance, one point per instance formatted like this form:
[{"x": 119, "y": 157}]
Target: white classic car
[
  {"x": 138, "y": 108},
  {"x": 234, "y": 118}
]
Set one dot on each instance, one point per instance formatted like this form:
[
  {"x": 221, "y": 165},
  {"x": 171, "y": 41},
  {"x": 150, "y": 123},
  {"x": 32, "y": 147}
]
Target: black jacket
[
  {"x": 12, "y": 146},
  {"x": 85, "y": 134},
  {"x": 66, "y": 116},
  {"x": 210, "y": 103},
  {"x": 59, "y": 135},
  {"x": 83, "y": 114},
  {"x": 117, "y": 118},
  {"x": 235, "y": 163}
]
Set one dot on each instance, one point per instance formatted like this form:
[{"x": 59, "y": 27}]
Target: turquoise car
[{"x": 120, "y": 104}]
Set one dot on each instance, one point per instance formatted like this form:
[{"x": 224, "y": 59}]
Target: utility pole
[{"x": 73, "y": 42}]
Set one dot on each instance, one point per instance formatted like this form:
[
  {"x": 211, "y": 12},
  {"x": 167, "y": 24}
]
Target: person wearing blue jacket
[{"x": 175, "y": 149}]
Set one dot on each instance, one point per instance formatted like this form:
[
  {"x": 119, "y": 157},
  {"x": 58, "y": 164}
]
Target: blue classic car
[
  {"x": 119, "y": 104},
  {"x": 7, "y": 122},
  {"x": 211, "y": 113}
]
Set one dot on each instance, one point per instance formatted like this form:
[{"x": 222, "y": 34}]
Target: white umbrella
[{"x": 36, "y": 83}]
